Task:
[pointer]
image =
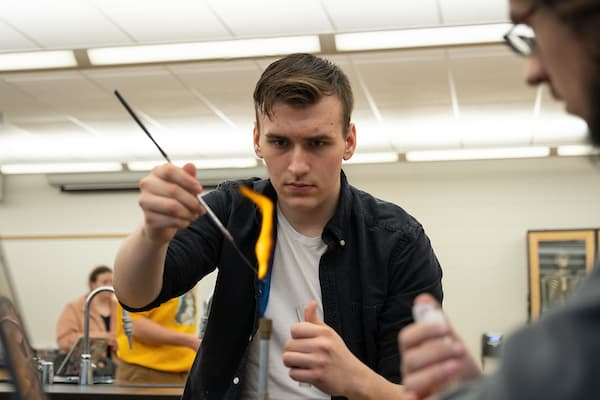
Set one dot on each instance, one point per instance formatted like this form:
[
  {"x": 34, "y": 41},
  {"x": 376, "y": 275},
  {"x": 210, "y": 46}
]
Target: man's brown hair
[
  {"x": 101, "y": 269},
  {"x": 301, "y": 80}
]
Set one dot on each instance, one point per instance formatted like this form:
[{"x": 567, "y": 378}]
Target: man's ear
[
  {"x": 350, "y": 142},
  {"x": 256, "y": 140}
]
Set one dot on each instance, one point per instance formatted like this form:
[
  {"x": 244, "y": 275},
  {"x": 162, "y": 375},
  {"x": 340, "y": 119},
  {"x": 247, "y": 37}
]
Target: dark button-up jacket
[{"x": 378, "y": 259}]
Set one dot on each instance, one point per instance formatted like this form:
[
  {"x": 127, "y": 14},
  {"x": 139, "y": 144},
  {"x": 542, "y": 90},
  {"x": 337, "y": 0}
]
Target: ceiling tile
[
  {"x": 153, "y": 91},
  {"x": 489, "y": 75},
  {"x": 458, "y": 12},
  {"x": 12, "y": 41},
  {"x": 10, "y": 96},
  {"x": 45, "y": 128},
  {"x": 403, "y": 78},
  {"x": 272, "y": 17},
  {"x": 217, "y": 141},
  {"x": 225, "y": 86},
  {"x": 20, "y": 106},
  {"x": 52, "y": 88},
  {"x": 33, "y": 113},
  {"x": 360, "y": 15},
  {"x": 159, "y": 21},
  {"x": 62, "y": 23}
]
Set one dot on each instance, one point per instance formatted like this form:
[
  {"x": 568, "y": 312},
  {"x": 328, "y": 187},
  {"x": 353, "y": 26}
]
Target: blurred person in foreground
[{"x": 557, "y": 357}]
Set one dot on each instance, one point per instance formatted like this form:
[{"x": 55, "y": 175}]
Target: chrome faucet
[{"x": 85, "y": 372}]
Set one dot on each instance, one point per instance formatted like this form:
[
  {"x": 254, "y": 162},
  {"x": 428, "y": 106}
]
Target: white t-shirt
[{"x": 294, "y": 283}]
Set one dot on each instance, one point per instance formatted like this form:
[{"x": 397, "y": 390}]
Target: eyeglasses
[{"x": 520, "y": 38}]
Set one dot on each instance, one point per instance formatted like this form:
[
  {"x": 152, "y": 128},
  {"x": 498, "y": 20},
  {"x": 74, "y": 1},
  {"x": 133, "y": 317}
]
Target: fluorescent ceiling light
[
  {"x": 422, "y": 37},
  {"x": 371, "y": 158},
  {"x": 204, "y": 50},
  {"x": 577, "y": 150},
  {"x": 37, "y": 60},
  {"x": 246, "y": 162},
  {"x": 59, "y": 168},
  {"x": 478, "y": 154}
]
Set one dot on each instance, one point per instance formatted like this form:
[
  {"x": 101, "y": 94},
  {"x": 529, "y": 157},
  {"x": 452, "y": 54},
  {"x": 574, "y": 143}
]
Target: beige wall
[{"x": 476, "y": 213}]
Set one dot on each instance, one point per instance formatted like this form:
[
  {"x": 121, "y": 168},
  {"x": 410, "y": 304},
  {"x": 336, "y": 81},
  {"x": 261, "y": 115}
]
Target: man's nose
[{"x": 298, "y": 161}]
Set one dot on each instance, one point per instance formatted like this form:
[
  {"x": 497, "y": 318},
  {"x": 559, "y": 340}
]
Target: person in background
[
  {"x": 70, "y": 324},
  {"x": 557, "y": 357},
  {"x": 349, "y": 262},
  {"x": 164, "y": 343}
]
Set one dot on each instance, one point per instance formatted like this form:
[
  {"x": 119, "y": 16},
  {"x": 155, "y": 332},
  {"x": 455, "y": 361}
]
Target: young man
[
  {"x": 362, "y": 259},
  {"x": 559, "y": 356}
]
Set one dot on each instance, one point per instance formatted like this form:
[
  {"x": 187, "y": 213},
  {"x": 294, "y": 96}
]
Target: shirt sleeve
[{"x": 414, "y": 270}]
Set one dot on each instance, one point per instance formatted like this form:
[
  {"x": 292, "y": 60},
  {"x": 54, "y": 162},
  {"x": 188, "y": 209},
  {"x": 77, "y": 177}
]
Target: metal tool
[{"x": 265, "y": 326}]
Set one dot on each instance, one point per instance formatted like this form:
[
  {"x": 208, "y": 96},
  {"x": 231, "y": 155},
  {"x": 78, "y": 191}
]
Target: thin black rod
[
  {"x": 135, "y": 117},
  {"x": 211, "y": 215}
]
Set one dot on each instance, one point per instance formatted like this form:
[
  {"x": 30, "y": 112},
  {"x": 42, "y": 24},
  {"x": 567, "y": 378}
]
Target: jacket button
[
  {"x": 250, "y": 338},
  {"x": 342, "y": 242},
  {"x": 236, "y": 380}
]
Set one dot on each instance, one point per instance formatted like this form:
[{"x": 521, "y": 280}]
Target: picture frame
[{"x": 558, "y": 262}]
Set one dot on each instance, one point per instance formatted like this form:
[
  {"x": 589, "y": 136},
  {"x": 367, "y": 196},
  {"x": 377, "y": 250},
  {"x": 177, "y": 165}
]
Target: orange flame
[{"x": 265, "y": 238}]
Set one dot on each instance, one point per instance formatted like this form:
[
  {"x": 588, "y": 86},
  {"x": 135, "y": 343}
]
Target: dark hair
[
  {"x": 583, "y": 17},
  {"x": 301, "y": 80},
  {"x": 101, "y": 269}
]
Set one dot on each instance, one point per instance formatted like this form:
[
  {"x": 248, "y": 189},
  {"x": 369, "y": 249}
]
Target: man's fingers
[
  {"x": 170, "y": 207},
  {"x": 432, "y": 379},
  {"x": 184, "y": 177},
  {"x": 190, "y": 169},
  {"x": 427, "y": 298},
  {"x": 298, "y": 359},
  {"x": 310, "y": 313},
  {"x": 161, "y": 221},
  {"x": 436, "y": 351},
  {"x": 415, "y": 334}
]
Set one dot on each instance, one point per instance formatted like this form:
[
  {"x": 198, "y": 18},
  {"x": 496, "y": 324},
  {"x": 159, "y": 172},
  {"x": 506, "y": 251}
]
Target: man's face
[
  {"x": 560, "y": 59},
  {"x": 103, "y": 279},
  {"x": 303, "y": 149}
]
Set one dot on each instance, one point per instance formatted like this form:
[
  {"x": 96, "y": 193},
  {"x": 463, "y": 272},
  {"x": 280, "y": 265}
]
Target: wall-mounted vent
[{"x": 129, "y": 181}]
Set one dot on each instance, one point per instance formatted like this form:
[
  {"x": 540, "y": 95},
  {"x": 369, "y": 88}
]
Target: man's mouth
[{"x": 299, "y": 186}]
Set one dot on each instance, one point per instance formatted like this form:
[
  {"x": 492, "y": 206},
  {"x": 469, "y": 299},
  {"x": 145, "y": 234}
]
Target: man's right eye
[{"x": 278, "y": 142}]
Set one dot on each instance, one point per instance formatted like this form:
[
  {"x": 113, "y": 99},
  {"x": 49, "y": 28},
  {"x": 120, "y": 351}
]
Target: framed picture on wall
[{"x": 558, "y": 262}]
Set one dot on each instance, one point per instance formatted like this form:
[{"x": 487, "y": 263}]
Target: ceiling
[{"x": 458, "y": 97}]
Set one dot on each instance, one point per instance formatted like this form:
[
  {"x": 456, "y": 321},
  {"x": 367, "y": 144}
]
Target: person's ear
[
  {"x": 350, "y": 142},
  {"x": 256, "y": 140}
]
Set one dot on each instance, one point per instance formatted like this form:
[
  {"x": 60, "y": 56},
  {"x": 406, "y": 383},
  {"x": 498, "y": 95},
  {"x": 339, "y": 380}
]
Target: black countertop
[{"x": 102, "y": 392}]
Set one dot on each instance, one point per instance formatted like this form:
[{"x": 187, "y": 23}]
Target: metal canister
[{"x": 46, "y": 372}]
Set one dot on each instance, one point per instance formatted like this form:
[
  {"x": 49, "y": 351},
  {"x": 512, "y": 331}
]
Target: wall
[{"x": 476, "y": 214}]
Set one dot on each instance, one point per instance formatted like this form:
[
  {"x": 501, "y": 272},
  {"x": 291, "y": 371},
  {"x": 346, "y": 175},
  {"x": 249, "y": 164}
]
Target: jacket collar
[{"x": 334, "y": 229}]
